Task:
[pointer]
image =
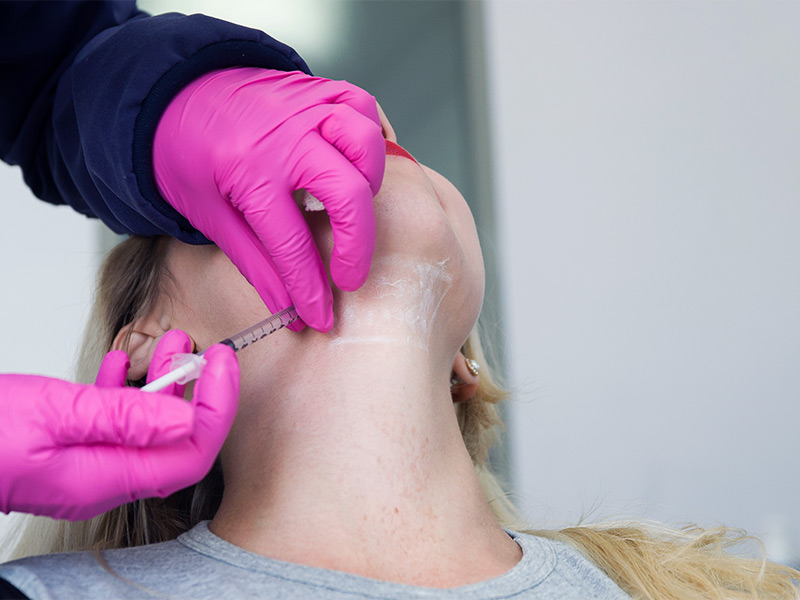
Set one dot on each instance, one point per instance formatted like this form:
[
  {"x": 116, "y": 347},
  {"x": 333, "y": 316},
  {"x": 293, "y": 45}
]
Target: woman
[{"x": 347, "y": 472}]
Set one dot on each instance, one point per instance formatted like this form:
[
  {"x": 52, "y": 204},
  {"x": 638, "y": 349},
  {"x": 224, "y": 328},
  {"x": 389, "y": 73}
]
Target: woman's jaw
[
  {"x": 426, "y": 281},
  {"x": 404, "y": 296}
]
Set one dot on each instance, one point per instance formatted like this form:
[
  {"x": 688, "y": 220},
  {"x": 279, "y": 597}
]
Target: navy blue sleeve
[
  {"x": 83, "y": 87},
  {"x": 9, "y": 592}
]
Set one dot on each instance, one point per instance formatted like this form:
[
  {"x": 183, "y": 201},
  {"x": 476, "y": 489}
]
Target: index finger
[
  {"x": 284, "y": 234},
  {"x": 347, "y": 198}
]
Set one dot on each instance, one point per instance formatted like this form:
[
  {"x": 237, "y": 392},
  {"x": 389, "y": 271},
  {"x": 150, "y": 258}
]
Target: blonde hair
[{"x": 647, "y": 561}]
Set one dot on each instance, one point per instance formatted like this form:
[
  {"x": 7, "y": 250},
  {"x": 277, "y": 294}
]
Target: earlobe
[{"x": 464, "y": 379}]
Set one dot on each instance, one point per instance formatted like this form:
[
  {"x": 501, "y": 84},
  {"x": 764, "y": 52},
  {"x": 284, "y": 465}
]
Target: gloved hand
[
  {"x": 73, "y": 451},
  {"x": 234, "y": 145}
]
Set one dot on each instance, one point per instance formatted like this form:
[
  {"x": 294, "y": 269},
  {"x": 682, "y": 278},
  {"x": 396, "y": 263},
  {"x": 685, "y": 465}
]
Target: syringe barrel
[{"x": 261, "y": 330}]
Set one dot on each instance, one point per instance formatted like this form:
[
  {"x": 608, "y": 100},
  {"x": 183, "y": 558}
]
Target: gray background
[{"x": 648, "y": 172}]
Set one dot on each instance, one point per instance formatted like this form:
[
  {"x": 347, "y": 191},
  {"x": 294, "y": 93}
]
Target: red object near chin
[{"x": 394, "y": 149}]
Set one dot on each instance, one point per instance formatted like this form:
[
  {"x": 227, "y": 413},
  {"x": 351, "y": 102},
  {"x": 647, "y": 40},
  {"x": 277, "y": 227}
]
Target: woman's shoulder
[
  {"x": 570, "y": 573},
  {"x": 88, "y": 574},
  {"x": 198, "y": 564}
]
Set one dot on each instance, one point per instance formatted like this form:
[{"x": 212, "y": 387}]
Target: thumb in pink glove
[
  {"x": 73, "y": 451},
  {"x": 234, "y": 145}
]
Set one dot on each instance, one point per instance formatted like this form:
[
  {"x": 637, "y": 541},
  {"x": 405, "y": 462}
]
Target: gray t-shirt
[{"x": 201, "y": 565}]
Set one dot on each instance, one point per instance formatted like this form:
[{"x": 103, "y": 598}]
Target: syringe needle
[{"x": 190, "y": 366}]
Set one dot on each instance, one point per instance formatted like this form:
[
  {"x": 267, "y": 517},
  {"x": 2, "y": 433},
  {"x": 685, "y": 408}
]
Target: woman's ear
[
  {"x": 139, "y": 340},
  {"x": 464, "y": 379}
]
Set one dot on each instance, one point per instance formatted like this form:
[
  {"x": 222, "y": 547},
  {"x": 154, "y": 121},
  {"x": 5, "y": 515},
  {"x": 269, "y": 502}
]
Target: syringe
[{"x": 187, "y": 367}]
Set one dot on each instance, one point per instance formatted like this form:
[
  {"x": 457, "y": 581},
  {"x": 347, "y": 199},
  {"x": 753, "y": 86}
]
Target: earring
[{"x": 473, "y": 366}]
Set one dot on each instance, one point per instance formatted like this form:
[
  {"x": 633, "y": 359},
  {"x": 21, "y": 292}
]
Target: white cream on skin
[{"x": 405, "y": 296}]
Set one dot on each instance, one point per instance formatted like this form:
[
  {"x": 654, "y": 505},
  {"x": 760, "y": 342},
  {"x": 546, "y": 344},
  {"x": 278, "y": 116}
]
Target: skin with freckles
[{"x": 346, "y": 453}]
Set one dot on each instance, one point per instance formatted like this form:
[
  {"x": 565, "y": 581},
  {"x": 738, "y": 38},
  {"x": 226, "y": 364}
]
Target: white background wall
[
  {"x": 49, "y": 260},
  {"x": 647, "y": 168}
]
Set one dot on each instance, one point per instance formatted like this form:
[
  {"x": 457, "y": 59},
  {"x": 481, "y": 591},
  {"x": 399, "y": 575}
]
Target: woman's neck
[{"x": 359, "y": 466}]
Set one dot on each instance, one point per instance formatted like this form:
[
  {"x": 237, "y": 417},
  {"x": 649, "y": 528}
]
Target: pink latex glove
[
  {"x": 234, "y": 145},
  {"x": 73, "y": 451}
]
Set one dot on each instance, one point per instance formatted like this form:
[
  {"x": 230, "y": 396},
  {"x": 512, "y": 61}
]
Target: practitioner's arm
[
  {"x": 85, "y": 85},
  {"x": 73, "y": 451},
  {"x": 9, "y": 592},
  {"x": 233, "y": 146}
]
